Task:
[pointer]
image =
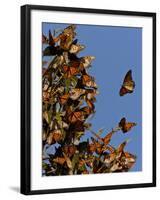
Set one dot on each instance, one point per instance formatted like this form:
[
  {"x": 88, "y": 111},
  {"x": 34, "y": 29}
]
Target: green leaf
[
  {"x": 75, "y": 160},
  {"x": 58, "y": 117},
  {"x": 74, "y": 80},
  {"x": 44, "y": 166},
  {"x": 79, "y": 134},
  {"x": 82, "y": 168},
  {"x": 67, "y": 83}
]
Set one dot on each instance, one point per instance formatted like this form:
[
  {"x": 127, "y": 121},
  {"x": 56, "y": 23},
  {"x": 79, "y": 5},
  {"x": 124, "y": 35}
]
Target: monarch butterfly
[
  {"x": 66, "y": 41},
  {"x": 76, "y": 93},
  {"x": 54, "y": 136},
  {"x": 121, "y": 147},
  {"x": 78, "y": 126},
  {"x": 90, "y": 104},
  {"x": 107, "y": 138},
  {"x": 59, "y": 160},
  {"x": 63, "y": 99},
  {"x": 70, "y": 71},
  {"x": 128, "y": 84},
  {"x": 76, "y": 48},
  {"x": 86, "y": 111},
  {"x": 91, "y": 93},
  {"x": 86, "y": 61},
  {"x": 76, "y": 116},
  {"x": 88, "y": 81},
  {"x": 129, "y": 159},
  {"x": 70, "y": 28},
  {"x": 69, "y": 150},
  {"x": 126, "y": 126}
]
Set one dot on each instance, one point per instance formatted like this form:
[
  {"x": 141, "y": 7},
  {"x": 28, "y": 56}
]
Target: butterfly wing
[
  {"x": 128, "y": 77},
  {"x": 123, "y": 91},
  {"x": 70, "y": 71},
  {"x": 107, "y": 138},
  {"x": 51, "y": 39},
  {"x": 128, "y": 84},
  {"x": 128, "y": 126},
  {"x": 63, "y": 99},
  {"x": 75, "y": 116},
  {"x": 122, "y": 122}
]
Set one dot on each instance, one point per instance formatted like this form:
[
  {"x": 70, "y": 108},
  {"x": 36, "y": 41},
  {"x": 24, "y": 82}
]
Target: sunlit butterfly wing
[
  {"x": 63, "y": 99},
  {"x": 86, "y": 111},
  {"x": 76, "y": 93},
  {"x": 70, "y": 71},
  {"x": 90, "y": 104},
  {"x": 66, "y": 41},
  {"x": 107, "y": 138},
  {"x": 76, "y": 116},
  {"x": 88, "y": 81},
  {"x": 121, "y": 147},
  {"x": 128, "y": 126},
  {"x": 128, "y": 84}
]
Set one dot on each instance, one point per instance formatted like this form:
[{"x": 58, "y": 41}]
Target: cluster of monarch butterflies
[{"x": 69, "y": 94}]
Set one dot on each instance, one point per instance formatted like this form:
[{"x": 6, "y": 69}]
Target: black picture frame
[{"x": 26, "y": 98}]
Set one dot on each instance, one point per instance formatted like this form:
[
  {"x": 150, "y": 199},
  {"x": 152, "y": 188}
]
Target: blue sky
[{"x": 117, "y": 50}]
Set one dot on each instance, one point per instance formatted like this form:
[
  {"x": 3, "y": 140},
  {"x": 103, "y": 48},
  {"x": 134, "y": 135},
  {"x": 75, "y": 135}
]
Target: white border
[{"x": 42, "y": 183}]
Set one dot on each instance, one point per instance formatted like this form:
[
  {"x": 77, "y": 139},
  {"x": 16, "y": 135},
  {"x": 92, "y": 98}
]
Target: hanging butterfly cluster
[{"x": 69, "y": 94}]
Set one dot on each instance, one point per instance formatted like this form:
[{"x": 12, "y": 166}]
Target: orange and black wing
[
  {"x": 70, "y": 71},
  {"x": 63, "y": 99},
  {"x": 128, "y": 77},
  {"x": 128, "y": 84},
  {"x": 51, "y": 39},
  {"x": 122, "y": 122},
  {"x": 76, "y": 116},
  {"x": 107, "y": 138}
]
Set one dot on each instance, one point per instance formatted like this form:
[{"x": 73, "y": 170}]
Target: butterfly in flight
[
  {"x": 126, "y": 126},
  {"x": 128, "y": 84}
]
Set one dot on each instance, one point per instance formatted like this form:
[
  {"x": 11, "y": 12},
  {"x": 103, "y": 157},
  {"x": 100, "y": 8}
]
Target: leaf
[
  {"x": 79, "y": 134},
  {"x": 67, "y": 83},
  {"x": 58, "y": 117},
  {"x": 75, "y": 160},
  {"x": 74, "y": 81},
  {"x": 44, "y": 165},
  {"x": 47, "y": 116},
  {"x": 68, "y": 161}
]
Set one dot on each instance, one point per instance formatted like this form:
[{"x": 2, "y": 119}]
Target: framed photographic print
[{"x": 88, "y": 99}]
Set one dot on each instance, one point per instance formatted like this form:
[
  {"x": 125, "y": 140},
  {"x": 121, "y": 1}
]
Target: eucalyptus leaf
[
  {"x": 67, "y": 84},
  {"x": 75, "y": 160},
  {"x": 74, "y": 81}
]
